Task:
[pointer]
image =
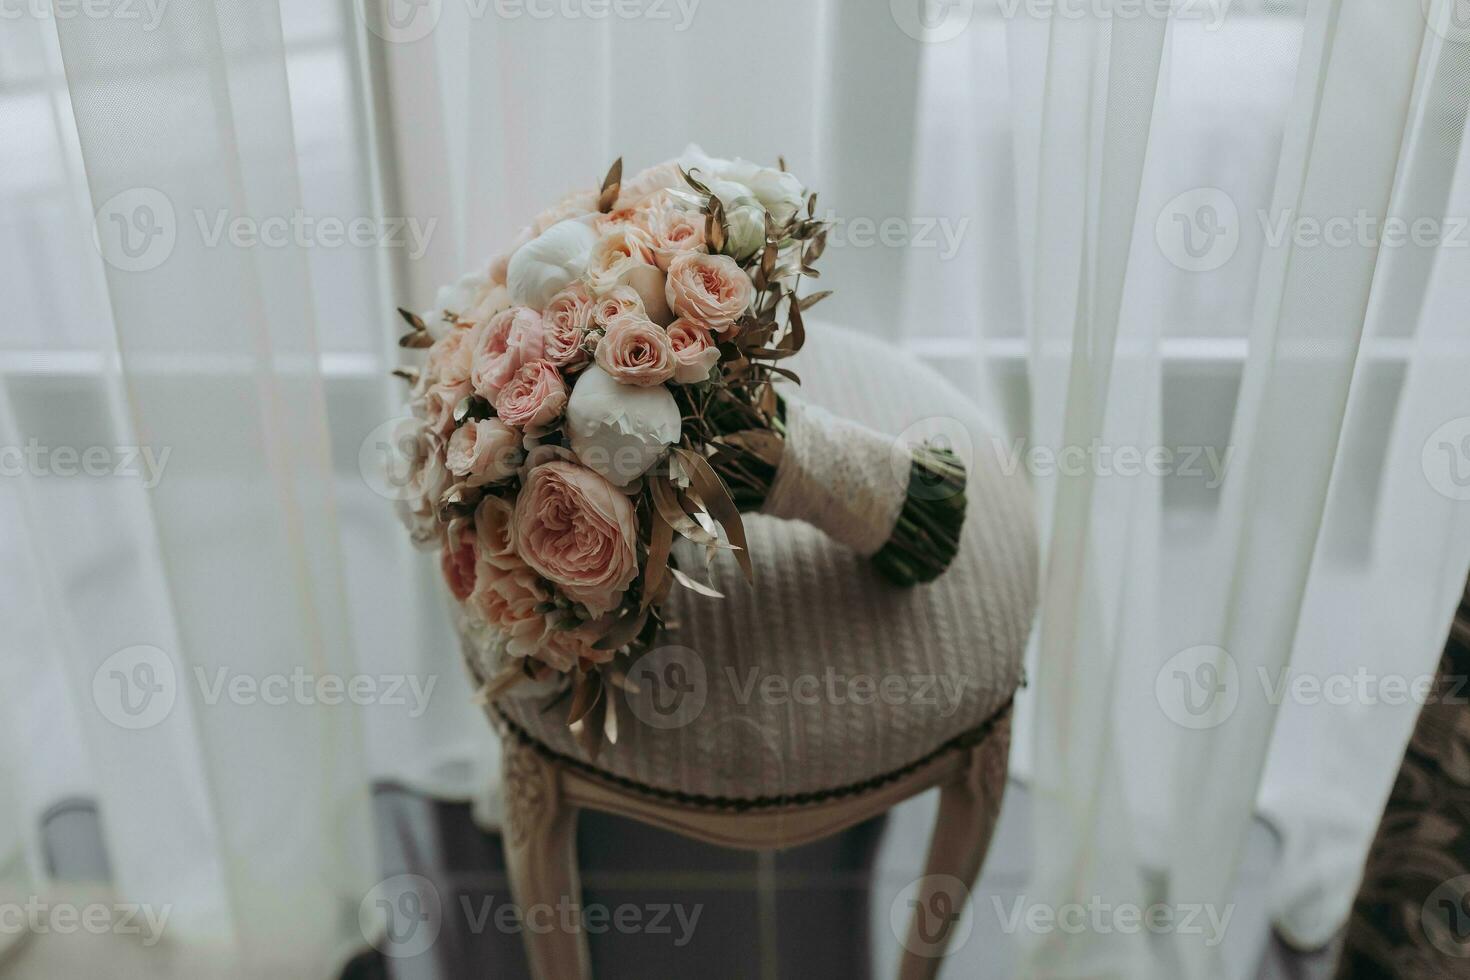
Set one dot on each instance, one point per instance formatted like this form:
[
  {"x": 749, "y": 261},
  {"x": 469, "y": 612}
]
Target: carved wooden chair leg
[
  {"x": 541, "y": 855},
  {"x": 969, "y": 807}
]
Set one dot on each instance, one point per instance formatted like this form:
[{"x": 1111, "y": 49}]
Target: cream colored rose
[
  {"x": 616, "y": 302},
  {"x": 671, "y": 228},
  {"x": 694, "y": 353},
  {"x": 636, "y": 351},
  {"x": 649, "y": 182},
  {"x": 483, "y": 451},
  {"x": 711, "y": 291},
  {"x": 566, "y": 320},
  {"x": 620, "y": 249}
]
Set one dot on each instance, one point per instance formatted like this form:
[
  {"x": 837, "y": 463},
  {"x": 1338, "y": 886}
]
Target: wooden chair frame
[{"x": 545, "y": 792}]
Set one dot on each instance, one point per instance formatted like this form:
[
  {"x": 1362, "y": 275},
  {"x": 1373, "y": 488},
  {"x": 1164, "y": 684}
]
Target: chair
[{"x": 816, "y": 699}]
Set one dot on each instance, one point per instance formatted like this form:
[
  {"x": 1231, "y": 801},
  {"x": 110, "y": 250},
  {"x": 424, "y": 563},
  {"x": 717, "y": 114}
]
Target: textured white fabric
[
  {"x": 953, "y": 647},
  {"x": 842, "y": 477}
]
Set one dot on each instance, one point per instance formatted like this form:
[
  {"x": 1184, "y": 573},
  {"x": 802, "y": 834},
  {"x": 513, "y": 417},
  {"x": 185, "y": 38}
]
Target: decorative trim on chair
[{"x": 965, "y": 740}]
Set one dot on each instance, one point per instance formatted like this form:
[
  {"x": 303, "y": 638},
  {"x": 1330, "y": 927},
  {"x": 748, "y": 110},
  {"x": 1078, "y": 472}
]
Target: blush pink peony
[{"x": 576, "y": 529}]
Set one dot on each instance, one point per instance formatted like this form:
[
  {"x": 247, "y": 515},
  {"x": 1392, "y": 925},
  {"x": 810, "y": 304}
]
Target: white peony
[
  {"x": 620, "y": 430},
  {"x": 549, "y": 263}
]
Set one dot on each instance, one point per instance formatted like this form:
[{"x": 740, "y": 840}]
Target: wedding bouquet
[{"x": 610, "y": 383}]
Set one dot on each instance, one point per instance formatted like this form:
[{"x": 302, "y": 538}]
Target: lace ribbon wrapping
[{"x": 841, "y": 477}]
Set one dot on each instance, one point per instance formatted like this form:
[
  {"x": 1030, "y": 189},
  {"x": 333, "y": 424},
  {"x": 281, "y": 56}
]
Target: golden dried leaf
[
  {"x": 623, "y": 631},
  {"x": 407, "y": 374},
  {"x": 666, "y": 500},
  {"x": 413, "y": 320},
  {"x": 807, "y": 302},
  {"x": 611, "y": 185},
  {"x": 716, "y": 229},
  {"x": 796, "y": 330},
  {"x": 584, "y": 697},
  {"x": 694, "y": 585},
  {"x": 693, "y": 182},
  {"x": 659, "y": 545},
  {"x": 721, "y": 506},
  {"x": 417, "y": 340}
]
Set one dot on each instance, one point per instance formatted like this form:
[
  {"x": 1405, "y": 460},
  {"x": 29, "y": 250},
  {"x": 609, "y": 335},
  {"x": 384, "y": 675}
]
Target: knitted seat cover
[{"x": 823, "y": 677}]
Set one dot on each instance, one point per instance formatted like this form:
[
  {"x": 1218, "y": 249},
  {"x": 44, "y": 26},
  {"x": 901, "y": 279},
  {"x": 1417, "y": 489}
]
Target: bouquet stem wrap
[{"x": 901, "y": 506}]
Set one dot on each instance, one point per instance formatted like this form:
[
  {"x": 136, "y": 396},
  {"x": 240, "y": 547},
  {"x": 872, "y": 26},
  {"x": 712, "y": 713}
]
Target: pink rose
[
  {"x": 506, "y": 598},
  {"x": 614, "y": 303},
  {"x": 483, "y": 451},
  {"x": 712, "y": 291},
  {"x": 438, "y": 405},
  {"x": 509, "y": 340},
  {"x": 534, "y": 398},
  {"x": 671, "y": 230},
  {"x": 492, "y": 531},
  {"x": 577, "y": 530},
  {"x": 457, "y": 561},
  {"x": 694, "y": 352},
  {"x": 566, "y": 320},
  {"x": 449, "y": 359},
  {"x": 636, "y": 351},
  {"x": 619, "y": 250}
]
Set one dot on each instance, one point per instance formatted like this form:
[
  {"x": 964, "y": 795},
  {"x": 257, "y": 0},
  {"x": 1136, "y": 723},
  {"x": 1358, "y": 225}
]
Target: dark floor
[{"x": 678, "y": 908}]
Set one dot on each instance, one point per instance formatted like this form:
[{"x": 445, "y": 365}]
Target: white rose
[
  {"x": 744, "y": 216},
  {"x": 549, "y": 263},
  {"x": 780, "y": 192},
  {"x": 620, "y": 430}
]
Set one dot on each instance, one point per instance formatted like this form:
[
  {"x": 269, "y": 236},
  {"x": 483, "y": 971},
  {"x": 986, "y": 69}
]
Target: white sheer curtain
[{"x": 1043, "y": 165}]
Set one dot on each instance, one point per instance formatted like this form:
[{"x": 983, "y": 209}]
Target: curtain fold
[{"x": 220, "y": 367}]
